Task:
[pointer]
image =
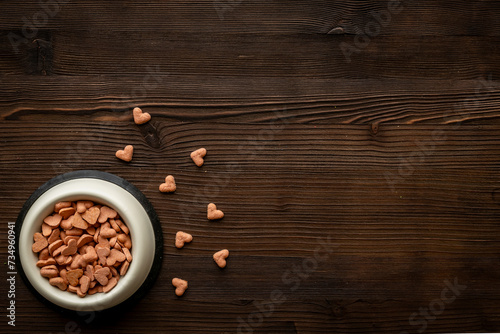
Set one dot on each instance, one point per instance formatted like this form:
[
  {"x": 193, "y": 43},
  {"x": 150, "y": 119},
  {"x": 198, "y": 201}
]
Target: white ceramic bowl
[{"x": 105, "y": 189}]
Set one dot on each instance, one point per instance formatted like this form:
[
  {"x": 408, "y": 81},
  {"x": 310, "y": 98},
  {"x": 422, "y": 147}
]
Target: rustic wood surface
[{"x": 363, "y": 191}]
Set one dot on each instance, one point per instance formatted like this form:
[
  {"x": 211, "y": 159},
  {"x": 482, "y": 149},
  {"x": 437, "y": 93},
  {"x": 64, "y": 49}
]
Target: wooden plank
[
  {"x": 427, "y": 17},
  {"x": 325, "y": 56},
  {"x": 257, "y": 100}
]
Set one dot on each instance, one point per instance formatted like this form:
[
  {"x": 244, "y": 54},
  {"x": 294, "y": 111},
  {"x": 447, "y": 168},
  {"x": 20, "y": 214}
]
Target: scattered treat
[
  {"x": 213, "y": 213},
  {"x": 181, "y": 238},
  {"x": 140, "y": 117},
  {"x": 180, "y": 285},
  {"x": 125, "y": 154},
  {"x": 198, "y": 155},
  {"x": 87, "y": 252},
  {"x": 220, "y": 257},
  {"x": 169, "y": 185}
]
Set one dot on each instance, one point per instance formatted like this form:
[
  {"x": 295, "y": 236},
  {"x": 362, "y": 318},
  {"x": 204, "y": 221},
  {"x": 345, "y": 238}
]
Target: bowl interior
[{"x": 132, "y": 213}]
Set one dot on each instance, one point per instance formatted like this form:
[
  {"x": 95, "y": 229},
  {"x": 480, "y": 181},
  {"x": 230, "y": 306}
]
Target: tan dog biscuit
[
  {"x": 220, "y": 257},
  {"x": 58, "y": 282},
  {"x": 111, "y": 284},
  {"x": 90, "y": 255},
  {"x": 103, "y": 253},
  {"x": 114, "y": 225},
  {"x": 101, "y": 275},
  {"x": 115, "y": 256},
  {"x": 53, "y": 221},
  {"x": 125, "y": 240},
  {"x": 78, "y": 222},
  {"x": 82, "y": 206},
  {"x": 61, "y": 205},
  {"x": 73, "y": 276},
  {"x": 180, "y": 286},
  {"x": 107, "y": 232},
  {"x": 46, "y": 230},
  {"x": 84, "y": 283},
  {"x": 107, "y": 213},
  {"x": 54, "y": 235},
  {"x": 91, "y": 215},
  {"x": 55, "y": 245},
  {"x": 169, "y": 185},
  {"x": 84, "y": 239},
  {"x": 181, "y": 238},
  {"x": 198, "y": 156},
  {"x": 74, "y": 232},
  {"x": 67, "y": 224},
  {"x": 70, "y": 248},
  {"x": 40, "y": 242},
  {"x": 140, "y": 117},
  {"x": 43, "y": 263},
  {"x": 44, "y": 254},
  {"x": 49, "y": 271},
  {"x": 127, "y": 253},
  {"x": 123, "y": 227},
  {"x": 125, "y": 154},
  {"x": 124, "y": 268},
  {"x": 66, "y": 212},
  {"x": 213, "y": 213}
]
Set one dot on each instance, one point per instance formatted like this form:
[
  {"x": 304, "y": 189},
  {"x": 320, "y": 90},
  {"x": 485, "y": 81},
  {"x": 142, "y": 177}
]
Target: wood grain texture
[
  {"x": 261, "y": 17},
  {"x": 259, "y": 101},
  {"x": 362, "y": 190},
  {"x": 300, "y": 188},
  {"x": 302, "y": 55}
]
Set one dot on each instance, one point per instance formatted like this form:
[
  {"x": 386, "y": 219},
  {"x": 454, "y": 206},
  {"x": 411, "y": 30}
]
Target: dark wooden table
[{"x": 353, "y": 146}]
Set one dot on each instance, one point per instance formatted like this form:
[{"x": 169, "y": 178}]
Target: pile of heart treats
[{"x": 83, "y": 247}]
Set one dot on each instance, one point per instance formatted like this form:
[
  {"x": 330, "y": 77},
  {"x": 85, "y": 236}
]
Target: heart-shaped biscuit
[
  {"x": 102, "y": 253},
  {"x": 55, "y": 245},
  {"x": 220, "y": 257},
  {"x": 90, "y": 255},
  {"x": 84, "y": 239},
  {"x": 73, "y": 276},
  {"x": 111, "y": 284},
  {"x": 60, "y": 205},
  {"x": 169, "y": 185},
  {"x": 140, "y": 117},
  {"x": 180, "y": 285},
  {"x": 84, "y": 283},
  {"x": 106, "y": 213},
  {"x": 53, "y": 221},
  {"x": 66, "y": 212},
  {"x": 115, "y": 256},
  {"x": 81, "y": 206},
  {"x": 101, "y": 275},
  {"x": 46, "y": 230},
  {"x": 59, "y": 282},
  {"x": 91, "y": 214},
  {"x": 40, "y": 242},
  {"x": 181, "y": 238},
  {"x": 70, "y": 249},
  {"x": 78, "y": 222},
  {"x": 107, "y": 232},
  {"x": 213, "y": 213},
  {"x": 54, "y": 235},
  {"x": 126, "y": 153},
  {"x": 198, "y": 155}
]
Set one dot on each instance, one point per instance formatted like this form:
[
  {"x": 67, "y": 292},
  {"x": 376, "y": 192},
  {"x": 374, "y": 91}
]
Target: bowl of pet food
[{"x": 88, "y": 241}]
